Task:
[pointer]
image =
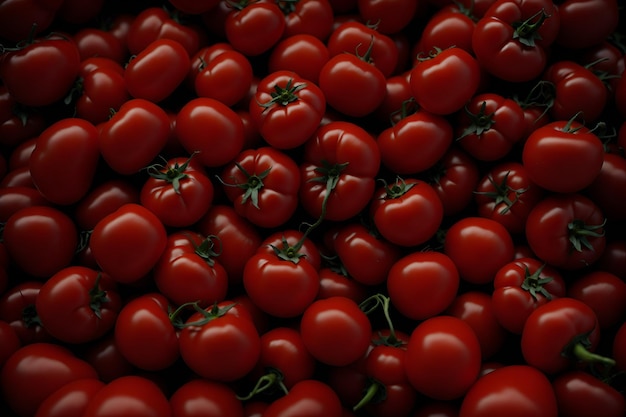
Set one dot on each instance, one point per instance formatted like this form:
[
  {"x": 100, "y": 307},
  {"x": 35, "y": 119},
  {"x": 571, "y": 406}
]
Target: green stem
[
  {"x": 371, "y": 393},
  {"x": 582, "y": 354},
  {"x": 273, "y": 378}
]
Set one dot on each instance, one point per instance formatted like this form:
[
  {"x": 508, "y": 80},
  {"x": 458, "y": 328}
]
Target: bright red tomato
[
  {"x": 451, "y": 25},
  {"x": 307, "y": 398},
  {"x": 303, "y": 54},
  {"x": 226, "y": 77},
  {"x": 390, "y": 16},
  {"x": 71, "y": 399},
  {"x": 102, "y": 200},
  {"x": 254, "y": 27},
  {"x": 308, "y": 17}
]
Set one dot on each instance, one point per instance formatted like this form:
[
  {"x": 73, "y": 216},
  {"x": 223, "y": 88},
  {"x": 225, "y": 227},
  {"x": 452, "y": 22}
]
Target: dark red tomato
[
  {"x": 479, "y": 247},
  {"x": 134, "y": 136},
  {"x": 201, "y": 115},
  {"x": 335, "y": 282},
  {"x": 238, "y": 238},
  {"x": 253, "y": 27},
  {"x": 189, "y": 270},
  {"x": 490, "y": 126},
  {"x": 422, "y": 284},
  {"x": 506, "y": 194},
  {"x": 17, "y": 17},
  {"x": 44, "y": 230},
  {"x": 454, "y": 177},
  {"x": 398, "y": 102},
  {"x": 524, "y": 391},
  {"x": 599, "y": 18},
  {"x": 613, "y": 258},
  {"x": 303, "y": 54},
  {"x": 178, "y": 192},
  {"x": 340, "y": 163},
  {"x": 64, "y": 161},
  {"x": 17, "y": 307},
  {"x": 566, "y": 231},
  {"x": 617, "y": 347},
  {"x": 287, "y": 109},
  {"x": 13, "y": 199},
  {"x": 207, "y": 398},
  {"x": 605, "y": 293},
  {"x": 18, "y": 123},
  {"x": 308, "y": 398},
  {"x": 520, "y": 287},
  {"x": 26, "y": 385},
  {"x": 476, "y": 309},
  {"x": 102, "y": 200},
  {"x": 443, "y": 357},
  {"x": 561, "y": 334},
  {"x": 407, "y": 212},
  {"x": 106, "y": 358},
  {"x": 129, "y": 394},
  {"x": 19, "y": 177},
  {"x": 308, "y": 17},
  {"x": 102, "y": 88},
  {"x": 390, "y": 16},
  {"x": 365, "y": 256},
  {"x": 127, "y": 243},
  {"x": 86, "y": 298},
  {"x": 511, "y": 39},
  {"x": 579, "y": 394},
  {"x": 451, "y": 25},
  {"x": 92, "y": 41},
  {"x": 144, "y": 333},
  {"x": 563, "y": 156},
  {"x": 10, "y": 341},
  {"x": 577, "y": 90},
  {"x": 71, "y": 399},
  {"x": 226, "y": 77},
  {"x": 21, "y": 70},
  {"x": 335, "y": 331},
  {"x": 202, "y": 57},
  {"x": 443, "y": 81},
  {"x": 607, "y": 184},
  {"x": 220, "y": 343},
  {"x": 415, "y": 143},
  {"x": 194, "y": 6},
  {"x": 289, "y": 240},
  {"x": 357, "y": 38},
  {"x": 155, "y": 72}
]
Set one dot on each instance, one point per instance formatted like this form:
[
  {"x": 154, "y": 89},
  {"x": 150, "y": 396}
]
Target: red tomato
[
  {"x": 107, "y": 360},
  {"x": 605, "y": 293},
  {"x": 17, "y": 307},
  {"x": 64, "y": 161},
  {"x": 18, "y": 124},
  {"x": 101, "y": 89},
  {"x": 523, "y": 390},
  {"x": 610, "y": 182},
  {"x": 602, "y": 17},
  {"x": 444, "y": 80},
  {"x": 294, "y": 244},
  {"x": 303, "y": 54},
  {"x": 451, "y": 25},
  {"x": 309, "y": 17},
  {"x": 579, "y": 394},
  {"x": 443, "y": 357},
  {"x": 17, "y": 17},
  {"x": 617, "y": 347},
  {"x": 134, "y": 136},
  {"x": 25, "y": 387},
  {"x": 479, "y": 247},
  {"x": 253, "y": 28},
  {"x": 422, "y": 284},
  {"x": 308, "y": 398},
  {"x": 70, "y": 400},
  {"x": 102, "y": 200},
  {"x": 127, "y": 243},
  {"x": 390, "y": 16},
  {"x": 226, "y": 77},
  {"x": 10, "y": 341},
  {"x": 335, "y": 331},
  {"x": 92, "y": 42},
  {"x": 335, "y": 282},
  {"x": 207, "y": 398}
]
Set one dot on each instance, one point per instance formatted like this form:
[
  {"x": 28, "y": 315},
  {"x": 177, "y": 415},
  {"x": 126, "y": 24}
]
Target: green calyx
[
  {"x": 527, "y": 31},
  {"x": 397, "y": 189},
  {"x": 579, "y": 232},
  {"x": 481, "y": 122},
  {"x": 534, "y": 283},
  {"x": 172, "y": 174},
  {"x": 97, "y": 297},
  {"x": 374, "y": 393},
  {"x": 207, "y": 314},
  {"x": 270, "y": 381},
  {"x": 501, "y": 192},
  {"x": 289, "y": 252},
  {"x": 252, "y": 186},
  {"x": 287, "y": 6},
  {"x": 283, "y": 95},
  {"x": 206, "y": 249}
]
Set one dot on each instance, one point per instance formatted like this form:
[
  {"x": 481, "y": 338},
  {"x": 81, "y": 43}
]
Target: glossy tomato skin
[
  {"x": 307, "y": 398},
  {"x": 303, "y": 54},
  {"x": 610, "y": 181},
  {"x": 103, "y": 199},
  {"x": 226, "y": 77},
  {"x": 127, "y": 243},
  {"x": 255, "y": 27},
  {"x": 602, "y": 16},
  {"x": 518, "y": 383},
  {"x": 392, "y": 16},
  {"x": 17, "y": 307},
  {"x": 287, "y": 239},
  {"x": 103, "y": 89},
  {"x": 448, "y": 26},
  {"x": 64, "y": 160},
  {"x": 71, "y": 399},
  {"x": 107, "y": 360},
  {"x": 203, "y": 397},
  {"x": 310, "y": 17},
  {"x": 579, "y": 393},
  {"x": 605, "y": 293},
  {"x": 422, "y": 284},
  {"x": 443, "y": 357}
]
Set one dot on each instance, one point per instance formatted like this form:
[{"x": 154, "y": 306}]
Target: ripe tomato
[
  {"x": 127, "y": 243},
  {"x": 390, "y": 16},
  {"x": 254, "y": 27},
  {"x": 605, "y": 293},
  {"x": 608, "y": 183},
  {"x": 579, "y": 394},
  {"x": 307, "y": 398},
  {"x": 225, "y": 76},
  {"x": 443, "y": 357},
  {"x": 451, "y": 25},
  {"x": 103, "y": 199},
  {"x": 602, "y": 17},
  {"x": 303, "y": 54},
  {"x": 207, "y": 398},
  {"x": 71, "y": 399},
  {"x": 17, "y": 17},
  {"x": 99, "y": 42},
  {"x": 307, "y": 17},
  {"x": 18, "y": 123},
  {"x": 10, "y": 341},
  {"x": 17, "y": 307}
]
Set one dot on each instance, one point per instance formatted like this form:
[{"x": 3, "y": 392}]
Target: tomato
[
  {"x": 13, "y": 199},
  {"x": 103, "y": 199},
  {"x": 47, "y": 231},
  {"x": 561, "y": 334},
  {"x": 443, "y": 357},
  {"x": 511, "y": 40},
  {"x": 422, "y": 284},
  {"x": 599, "y": 18},
  {"x": 398, "y": 102},
  {"x": 130, "y": 394},
  {"x": 226, "y": 77},
  {"x": 178, "y": 192},
  {"x": 18, "y": 123},
  {"x": 21, "y": 70},
  {"x": 207, "y": 398},
  {"x": 17, "y": 307},
  {"x": 605, "y": 293},
  {"x": 220, "y": 343},
  {"x": 407, "y": 212},
  {"x": 134, "y": 136},
  {"x": 127, "y": 243},
  {"x": 335, "y": 282},
  {"x": 155, "y": 72},
  {"x": 288, "y": 240},
  {"x": 36, "y": 371},
  {"x": 144, "y": 333},
  {"x": 337, "y": 174},
  {"x": 389, "y": 16},
  {"x": 335, "y": 331},
  {"x": 451, "y": 25},
  {"x": 521, "y": 286},
  {"x": 189, "y": 270},
  {"x": 201, "y": 115},
  {"x": 17, "y": 17},
  {"x": 92, "y": 42},
  {"x": 490, "y": 126},
  {"x": 10, "y": 341},
  {"x": 303, "y": 54},
  {"x": 307, "y": 398},
  {"x": 579, "y": 394},
  {"x": 70, "y": 400},
  {"x": 506, "y": 194},
  {"x": 415, "y": 143},
  {"x": 253, "y": 28},
  {"x": 106, "y": 358},
  {"x": 610, "y": 180},
  {"x": 308, "y": 17},
  {"x": 617, "y": 347},
  {"x": 613, "y": 258},
  {"x": 479, "y": 247},
  {"x": 566, "y": 231},
  {"x": 563, "y": 156},
  {"x": 523, "y": 390},
  {"x": 444, "y": 80}
]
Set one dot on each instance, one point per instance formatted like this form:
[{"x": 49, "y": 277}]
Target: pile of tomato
[{"x": 302, "y": 208}]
